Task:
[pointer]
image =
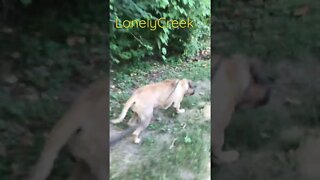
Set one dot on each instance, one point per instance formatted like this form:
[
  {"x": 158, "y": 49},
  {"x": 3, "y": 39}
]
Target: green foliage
[
  {"x": 50, "y": 48},
  {"x": 271, "y": 29},
  {"x": 137, "y": 43},
  {"x": 26, "y": 2}
]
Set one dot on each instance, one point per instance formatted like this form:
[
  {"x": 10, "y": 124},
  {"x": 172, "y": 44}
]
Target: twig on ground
[
  {"x": 172, "y": 143},
  {"x": 184, "y": 125}
]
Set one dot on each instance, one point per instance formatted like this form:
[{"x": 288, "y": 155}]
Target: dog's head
[
  {"x": 258, "y": 92},
  {"x": 189, "y": 87}
]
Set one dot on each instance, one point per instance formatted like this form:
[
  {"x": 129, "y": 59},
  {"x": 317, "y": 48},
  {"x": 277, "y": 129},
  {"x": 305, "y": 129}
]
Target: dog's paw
[
  {"x": 115, "y": 121},
  {"x": 181, "y": 111},
  {"x": 227, "y": 157},
  {"x": 137, "y": 140},
  {"x": 131, "y": 123}
]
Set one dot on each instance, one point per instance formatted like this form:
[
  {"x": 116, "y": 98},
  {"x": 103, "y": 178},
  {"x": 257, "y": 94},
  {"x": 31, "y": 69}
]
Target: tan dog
[
  {"x": 157, "y": 95},
  {"x": 236, "y": 83},
  {"x": 84, "y": 128}
]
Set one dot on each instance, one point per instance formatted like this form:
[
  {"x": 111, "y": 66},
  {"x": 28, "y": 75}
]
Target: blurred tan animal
[
  {"x": 237, "y": 82},
  {"x": 84, "y": 129},
  {"x": 157, "y": 95}
]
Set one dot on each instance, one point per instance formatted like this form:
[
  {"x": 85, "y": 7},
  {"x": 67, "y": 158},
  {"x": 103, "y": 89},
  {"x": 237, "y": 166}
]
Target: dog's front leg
[
  {"x": 220, "y": 156},
  {"x": 220, "y": 122},
  {"x": 176, "y": 105}
]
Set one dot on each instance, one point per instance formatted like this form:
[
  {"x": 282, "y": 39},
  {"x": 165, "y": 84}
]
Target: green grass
[
  {"x": 191, "y": 152},
  {"x": 191, "y": 149}
]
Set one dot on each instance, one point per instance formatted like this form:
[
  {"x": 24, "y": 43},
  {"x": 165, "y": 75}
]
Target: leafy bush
[
  {"x": 136, "y": 43},
  {"x": 271, "y": 29}
]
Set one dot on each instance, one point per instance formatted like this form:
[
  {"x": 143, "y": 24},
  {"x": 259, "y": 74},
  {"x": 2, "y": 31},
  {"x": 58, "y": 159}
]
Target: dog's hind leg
[
  {"x": 81, "y": 171},
  {"x": 100, "y": 171},
  {"x": 145, "y": 121},
  {"x": 133, "y": 120},
  {"x": 220, "y": 122}
]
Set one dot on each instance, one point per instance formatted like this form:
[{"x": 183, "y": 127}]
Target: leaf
[
  {"x": 164, "y": 38},
  {"x": 184, "y": 2},
  {"x": 158, "y": 43},
  {"x": 11, "y": 79},
  {"x": 292, "y": 101},
  {"x": 150, "y": 48},
  {"x": 191, "y": 3},
  {"x": 187, "y": 139},
  {"x": 164, "y": 51},
  {"x": 164, "y": 58},
  {"x": 166, "y": 30},
  {"x": 163, "y": 3}
]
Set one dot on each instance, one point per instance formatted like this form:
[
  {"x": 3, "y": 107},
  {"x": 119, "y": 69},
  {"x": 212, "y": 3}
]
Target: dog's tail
[
  {"x": 58, "y": 137},
  {"x": 125, "y": 109}
]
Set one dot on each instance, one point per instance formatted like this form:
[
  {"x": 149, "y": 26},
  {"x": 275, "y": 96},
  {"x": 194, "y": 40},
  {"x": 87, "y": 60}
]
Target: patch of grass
[
  {"x": 308, "y": 113},
  {"x": 191, "y": 151},
  {"x": 253, "y": 129}
]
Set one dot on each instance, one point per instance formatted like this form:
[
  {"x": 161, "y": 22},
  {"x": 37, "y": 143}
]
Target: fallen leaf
[
  {"x": 292, "y": 101},
  {"x": 16, "y": 55},
  {"x": 11, "y": 79},
  {"x": 301, "y": 11},
  {"x": 7, "y": 30},
  {"x": 172, "y": 143}
]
